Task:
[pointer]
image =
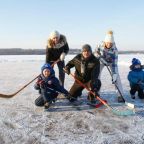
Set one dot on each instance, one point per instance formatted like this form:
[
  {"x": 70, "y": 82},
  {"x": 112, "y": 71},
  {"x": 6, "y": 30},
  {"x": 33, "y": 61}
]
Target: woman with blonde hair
[
  {"x": 57, "y": 48},
  {"x": 108, "y": 55}
]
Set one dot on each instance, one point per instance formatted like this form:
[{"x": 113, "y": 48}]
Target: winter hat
[
  {"x": 109, "y": 37},
  {"x": 47, "y": 66},
  {"x": 54, "y": 34},
  {"x": 136, "y": 61},
  {"x": 86, "y": 47}
]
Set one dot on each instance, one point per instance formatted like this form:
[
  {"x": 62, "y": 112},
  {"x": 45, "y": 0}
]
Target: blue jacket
[
  {"x": 135, "y": 76},
  {"x": 51, "y": 83}
]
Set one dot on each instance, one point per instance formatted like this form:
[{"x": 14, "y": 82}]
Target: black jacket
[
  {"x": 92, "y": 67},
  {"x": 53, "y": 53}
]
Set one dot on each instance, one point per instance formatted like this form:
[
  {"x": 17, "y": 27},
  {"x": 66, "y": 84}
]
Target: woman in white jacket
[{"x": 108, "y": 55}]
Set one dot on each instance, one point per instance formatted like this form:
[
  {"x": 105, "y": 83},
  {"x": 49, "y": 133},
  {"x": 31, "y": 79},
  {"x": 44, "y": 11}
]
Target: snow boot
[
  {"x": 92, "y": 98},
  {"x": 70, "y": 98},
  {"x": 47, "y": 105}
]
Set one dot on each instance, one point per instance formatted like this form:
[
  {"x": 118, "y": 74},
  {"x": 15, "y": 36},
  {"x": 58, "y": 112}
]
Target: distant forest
[{"x": 20, "y": 51}]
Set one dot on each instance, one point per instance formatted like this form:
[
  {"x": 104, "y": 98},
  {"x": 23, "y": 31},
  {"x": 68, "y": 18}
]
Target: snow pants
[{"x": 136, "y": 88}]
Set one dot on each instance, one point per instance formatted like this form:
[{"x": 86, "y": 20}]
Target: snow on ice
[{"x": 21, "y": 122}]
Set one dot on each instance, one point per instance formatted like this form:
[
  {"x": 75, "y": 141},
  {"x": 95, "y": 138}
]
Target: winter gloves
[
  {"x": 114, "y": 78},
  {"x": 95, "y": 86},
  {"x": 103, "y": 61},
  {"x": 62, "y": 56},
  {"x": 42, "y": 84},
  {"x": 67, "y": 70}
]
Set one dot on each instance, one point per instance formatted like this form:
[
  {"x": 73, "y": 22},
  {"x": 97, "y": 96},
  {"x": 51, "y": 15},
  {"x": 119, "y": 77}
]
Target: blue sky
[{"x": 28, "y": 23}]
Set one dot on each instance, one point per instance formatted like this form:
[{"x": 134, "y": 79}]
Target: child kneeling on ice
[
  {"x": 48, "y": 86},
  {"x": 136, "y": 79}
]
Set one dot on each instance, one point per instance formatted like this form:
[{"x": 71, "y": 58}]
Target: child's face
[
  {"x": 46, "y": 73},
  {"x": 137, "y": 66},
  {"x": 108, "y": 45}
]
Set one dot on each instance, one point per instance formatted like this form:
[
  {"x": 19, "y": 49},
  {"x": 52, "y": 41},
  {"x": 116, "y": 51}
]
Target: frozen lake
[{"x": 21, "y": 122}]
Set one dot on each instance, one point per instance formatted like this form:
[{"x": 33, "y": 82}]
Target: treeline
[
  {"x": 20, "y": 51},
  {"x": 132, "y": 52}
]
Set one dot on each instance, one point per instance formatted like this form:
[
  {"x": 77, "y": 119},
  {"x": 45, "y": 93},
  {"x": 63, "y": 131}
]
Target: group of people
[{"x": 88, "y": 67}]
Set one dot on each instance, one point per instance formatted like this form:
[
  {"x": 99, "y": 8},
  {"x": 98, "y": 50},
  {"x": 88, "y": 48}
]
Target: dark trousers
[
  {"x": 136, "y": 88},
  {"x": 39, "y": 101},
  {"x": 61, "y": 65},
  {"x": 76, "y": 89},
  {"x": 46, "y": 96}
]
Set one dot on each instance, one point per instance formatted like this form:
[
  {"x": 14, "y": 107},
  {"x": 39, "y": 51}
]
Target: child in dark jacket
[
  {"x": 48, "y": 86},
  {"x": 136, "y": 79}
]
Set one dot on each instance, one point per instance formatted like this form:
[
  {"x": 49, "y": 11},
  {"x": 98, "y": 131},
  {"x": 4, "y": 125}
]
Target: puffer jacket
[
  {"x": 91, "y": 71},
  {"x": 135, "y": 76},
  {"x": 50, "y": 83},
  {"x": 53, "y": 52}
]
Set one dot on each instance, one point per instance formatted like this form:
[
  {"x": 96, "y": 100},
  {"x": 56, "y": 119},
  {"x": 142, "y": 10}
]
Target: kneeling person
[
  {"x": 87, "y": 68},
  {"x": 48, "y": 86}
]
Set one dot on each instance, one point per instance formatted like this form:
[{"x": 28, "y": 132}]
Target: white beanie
[
  {"x": 109, "y": 37},
  {"x": 54, "y": 34}
]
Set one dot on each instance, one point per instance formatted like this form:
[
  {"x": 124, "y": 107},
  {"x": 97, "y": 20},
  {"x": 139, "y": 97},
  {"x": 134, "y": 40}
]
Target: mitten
[{"x": 62, "y": 56}]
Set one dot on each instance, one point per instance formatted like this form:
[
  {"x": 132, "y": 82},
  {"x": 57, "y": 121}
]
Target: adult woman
[
  {"x": 57, "y": 48},
  {"x": 108, "y": 55}
]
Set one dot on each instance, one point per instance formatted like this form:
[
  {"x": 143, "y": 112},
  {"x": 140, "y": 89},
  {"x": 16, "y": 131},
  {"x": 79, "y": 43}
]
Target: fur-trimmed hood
[{"x": 62, "y": 42}]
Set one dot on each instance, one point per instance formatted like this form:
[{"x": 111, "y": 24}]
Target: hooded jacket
[
  {"x": 53, "y": 52},
  {"x": 136, "y": 76},
  {"x": 51, "y": 82}
]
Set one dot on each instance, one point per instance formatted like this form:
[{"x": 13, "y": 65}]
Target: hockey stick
[
  {"x": 12, "y": 95},
  {"x": 128, "y": 104},
  {"x": 120, "y": 113}
]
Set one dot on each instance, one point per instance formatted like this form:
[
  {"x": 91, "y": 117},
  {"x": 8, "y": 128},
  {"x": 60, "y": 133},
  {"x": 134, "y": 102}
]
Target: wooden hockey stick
[{"x": 13, "y": 94}]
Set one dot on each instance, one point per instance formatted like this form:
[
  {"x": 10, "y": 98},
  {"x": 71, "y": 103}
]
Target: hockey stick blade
[
  {"x": 97, "y": 105},
  {"x": 12, "y": 95}
]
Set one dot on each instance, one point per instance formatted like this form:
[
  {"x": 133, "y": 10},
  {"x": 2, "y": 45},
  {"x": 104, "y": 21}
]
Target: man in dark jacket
[
  {"x": 57, "y": 48},
  {"x": 87, "y": 68}
]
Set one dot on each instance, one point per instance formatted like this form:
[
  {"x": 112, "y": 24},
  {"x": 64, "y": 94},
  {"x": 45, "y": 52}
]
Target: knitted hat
[
  {"x": 136, "y": 61},
  {"x": 54, "y": 34},
  {"x": 86, "y": 47},
  {"x": 109, "y": 37}
]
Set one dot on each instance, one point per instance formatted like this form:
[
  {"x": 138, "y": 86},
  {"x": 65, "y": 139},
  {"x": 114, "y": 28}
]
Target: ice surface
[{"x": 21, "y": 122}]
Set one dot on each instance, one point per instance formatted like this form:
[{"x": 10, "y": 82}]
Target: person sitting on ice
[
  {"x": 107, "y": 52},
  {"x": 136, "y": 79},
  {"x": 49, "y": 87}
]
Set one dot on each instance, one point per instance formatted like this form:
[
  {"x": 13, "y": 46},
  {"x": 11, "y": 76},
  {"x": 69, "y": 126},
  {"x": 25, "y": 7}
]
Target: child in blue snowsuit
[
  {"x": 136, "y": 79},
  {"x": 48, "y": 86}
]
